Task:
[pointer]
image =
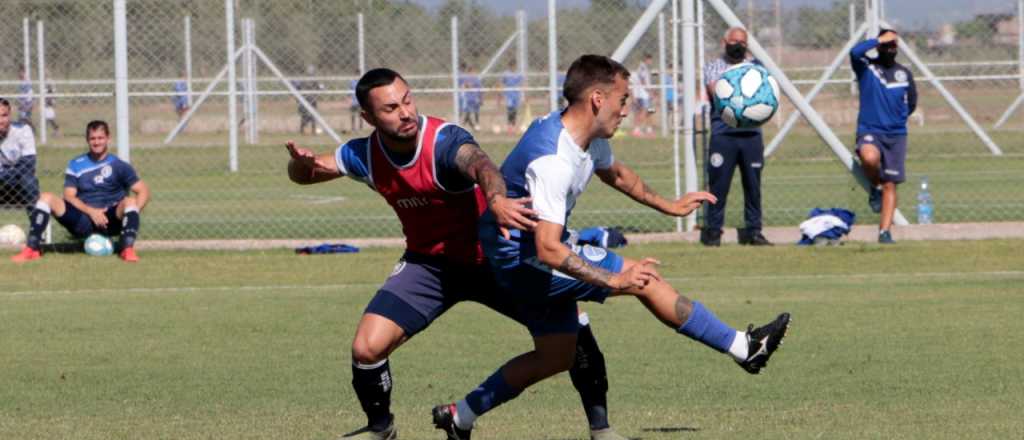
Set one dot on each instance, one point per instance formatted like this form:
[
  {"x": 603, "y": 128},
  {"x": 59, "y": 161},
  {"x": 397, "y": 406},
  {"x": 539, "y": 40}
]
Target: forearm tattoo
[
  {"x": 474, "y": 164},
  {"x": 575, "y": 266},
  {"x": 644, "y": 194}
]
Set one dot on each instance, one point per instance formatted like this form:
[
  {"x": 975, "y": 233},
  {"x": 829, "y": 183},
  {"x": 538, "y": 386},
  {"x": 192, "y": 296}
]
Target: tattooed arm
[
  {"x": 474, "y": 164},
  {"x": 553, "y": 253},
  {"x": 628, "y": 182}
]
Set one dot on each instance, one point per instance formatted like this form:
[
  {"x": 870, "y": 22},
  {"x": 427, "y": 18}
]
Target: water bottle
[{"x": 925, "y": 210}]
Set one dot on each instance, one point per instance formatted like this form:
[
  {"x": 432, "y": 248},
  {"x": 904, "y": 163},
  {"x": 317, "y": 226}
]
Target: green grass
[{"x": 917, "y": 340}]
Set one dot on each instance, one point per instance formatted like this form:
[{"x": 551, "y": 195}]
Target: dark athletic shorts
[{"x": 893, "y": 149}]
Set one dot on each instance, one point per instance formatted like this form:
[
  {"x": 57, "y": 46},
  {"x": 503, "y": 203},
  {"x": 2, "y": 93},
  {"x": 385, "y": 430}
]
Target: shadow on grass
[{"x": 659, "y": 430}]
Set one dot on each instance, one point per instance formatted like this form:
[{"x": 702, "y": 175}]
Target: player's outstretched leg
[
  {"x": 751, "y": 350},
  {"x": 552, "y": 354},
  {"x": 375, "y": 338},
  {"x": 590, "y": 377},
  {"x": 38, "y": 218}
]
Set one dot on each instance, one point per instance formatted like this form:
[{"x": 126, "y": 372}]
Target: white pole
[
  {"x": 840, "y": 58},
  {"x": 229, "y": 20},
  {"x": 689, "y": 103},
  {"x": 552, "y": 56},
  {"x": 361, "y": 43},
  {"x": 523, "y": 63},
  {"x": 121, "y": 80},
  {"x": 247, "y": 80},
  {"x": 801, "y": 104},
  {"x": 661, "y": 74},
  {"x": 40, "y": 49},
  {"x": 638, "y": 30},
  {"x": 298, "y": 96},
  {"x": 455, "y": 69},
  {"x": 953, "y": 102},
  {"x": 202, "y": 98},
  {"x": 700, "y": 49},
  {"x": 254, "y": 118},
  {"x": 778, "y": 47},
  {"x": 26, "y": 37},
  {"x": 675, "y": 112},
  {"x": 853, "y": 33},
  {"x": 872, "y": 14},
  {"x": 1020, "y": 42},
  {"x": 501, "y": 50},
  {"x": 1009, "y": 110},
  {"x": 188, "y": 59}
]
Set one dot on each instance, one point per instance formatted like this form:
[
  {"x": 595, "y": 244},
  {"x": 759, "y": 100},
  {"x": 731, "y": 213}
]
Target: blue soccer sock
[
  {"x": 493, "y": 392},
  {"x": 38, "y": 219},
  {"x": 705, "y": 327}
]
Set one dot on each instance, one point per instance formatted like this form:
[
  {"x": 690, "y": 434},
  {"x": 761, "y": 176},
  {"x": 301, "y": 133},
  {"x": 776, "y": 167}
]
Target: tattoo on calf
[
  {"x": 683, "y": 309},
  {"x": 581, "y": 270}
]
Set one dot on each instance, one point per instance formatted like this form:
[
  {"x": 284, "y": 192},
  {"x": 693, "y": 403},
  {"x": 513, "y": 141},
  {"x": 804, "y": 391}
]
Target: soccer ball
[
  {"x": 98, "y": 245},
  {"x": 12, "y": 235},
  {"x": 747, "y": 95}
]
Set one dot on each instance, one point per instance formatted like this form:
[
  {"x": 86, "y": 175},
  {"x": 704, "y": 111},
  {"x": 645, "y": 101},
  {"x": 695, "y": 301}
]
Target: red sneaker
[
  {"x": 129, "y": 256},
  {"x": 26, "y": 254}
]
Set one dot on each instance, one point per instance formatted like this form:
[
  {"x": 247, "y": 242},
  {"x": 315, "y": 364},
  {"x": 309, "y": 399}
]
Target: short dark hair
[
  {"x": 96, "y": 125},
  {"x": 378, "y": 77},
  {"x": 590, "y": 70},
  {"x": 5, "y": 103},
  {"x": 882, "y": 31}
]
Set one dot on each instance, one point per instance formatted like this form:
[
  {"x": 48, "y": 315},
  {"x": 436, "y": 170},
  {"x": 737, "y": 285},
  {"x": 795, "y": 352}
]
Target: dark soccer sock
[
  {"x": 131, "y": 227},
  {"x": 38, "y": 219},
  {"x": 704, "y": 326},
  {"x": 372, "y": 384},
  {"x": 590, "y": 378}
]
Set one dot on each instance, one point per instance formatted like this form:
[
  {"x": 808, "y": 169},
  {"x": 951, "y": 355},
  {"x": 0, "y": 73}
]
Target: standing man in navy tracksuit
[
  {"x": 731, "y": 148},
  {"x": 887, "y": 97}
]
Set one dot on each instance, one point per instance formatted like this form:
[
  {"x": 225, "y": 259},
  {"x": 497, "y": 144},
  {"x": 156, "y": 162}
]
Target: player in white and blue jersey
[
  {"x": 19, "y": 186},
  {"x": 102, "y": 194},
  {"x": 887, "y": 98},
  {"x": 552, "y": 164}
]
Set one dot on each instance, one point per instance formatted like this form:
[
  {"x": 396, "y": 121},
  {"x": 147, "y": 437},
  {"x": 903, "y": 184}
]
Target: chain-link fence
[{"x": 492, "y": 74}]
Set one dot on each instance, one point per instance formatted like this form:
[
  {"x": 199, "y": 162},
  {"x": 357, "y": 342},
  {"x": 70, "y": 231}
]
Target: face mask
[
  {"x": 886, "y": 58},
  {"x": 736, "y": 51}
]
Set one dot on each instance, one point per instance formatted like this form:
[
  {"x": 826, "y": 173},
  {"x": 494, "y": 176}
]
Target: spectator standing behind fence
[
  {"x": 470, "y": 98},
  {"x": 355, "y": 121},
  {"x": 511, "y": 81},
  {"x": 305, "y": 115},
  {"x": 887, "y": 97},
  {"x": 50, "y": 109},
  {"x": 25, "y": 102},
  {"x": 19, "y": 186},
  {"x": 180, "y": 98},
  {"x": 96, "y": 199},
  {"x": 731, "y": 147},
  {"x": 643, "y": 102}
]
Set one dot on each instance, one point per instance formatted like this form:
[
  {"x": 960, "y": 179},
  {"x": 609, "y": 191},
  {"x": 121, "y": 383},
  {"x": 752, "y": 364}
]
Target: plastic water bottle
[{"x": 925, "y": 209}]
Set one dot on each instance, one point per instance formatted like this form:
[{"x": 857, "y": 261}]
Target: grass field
[{"x": 919, "y": 340}]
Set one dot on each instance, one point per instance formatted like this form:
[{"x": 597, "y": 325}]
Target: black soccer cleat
[
  {"x": 444, "y": 419},
  {"x": 762, "y": 343}
]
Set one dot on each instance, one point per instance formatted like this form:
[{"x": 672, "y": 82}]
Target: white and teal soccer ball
[
  {"x": 747, "y": 95},
  {"x": 98, "y": 245},
  {"x": 12, "y": 235}
]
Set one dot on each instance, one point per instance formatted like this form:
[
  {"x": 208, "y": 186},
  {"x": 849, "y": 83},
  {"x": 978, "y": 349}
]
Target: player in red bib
[{"x": 438, "y": 181}]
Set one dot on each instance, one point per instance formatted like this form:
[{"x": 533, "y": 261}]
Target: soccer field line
[
  {"x": 717, "y": 278},
  {"x": 853, "y": 276},
  {"x": 192, "y": 289}
]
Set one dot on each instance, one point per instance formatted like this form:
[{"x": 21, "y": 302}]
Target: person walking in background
[
  {"x": 511, "y": 81},
  {"x": 887, "y": 98},
  {"x": 731, "y": 147},
  {"x": 470, "y": 98},
  {"x": 306, "y": 115},
  {"x": 25, "y": 102},
  {"x": 50, "y": 109},
  {"x": 643, "y": 102}
]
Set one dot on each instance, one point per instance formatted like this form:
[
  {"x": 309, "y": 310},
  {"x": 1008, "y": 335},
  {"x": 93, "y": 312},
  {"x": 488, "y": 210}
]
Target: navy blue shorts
[
  {"x": 552, "y": 294},
  {"x": 421, "y": 288},
  {"x": 893, "y": 149},
  {"x": 80, "y": 225}
]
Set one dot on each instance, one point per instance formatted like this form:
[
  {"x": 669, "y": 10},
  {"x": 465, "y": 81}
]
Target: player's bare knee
[
  {"x": 366, "y": 351},
  {"x": 48, "y": 198},
  {"x": 869, "y": 154}
]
